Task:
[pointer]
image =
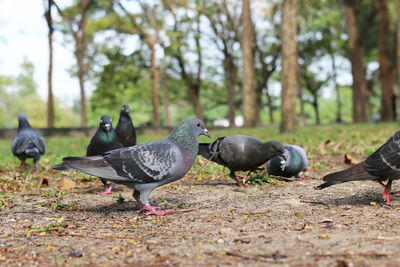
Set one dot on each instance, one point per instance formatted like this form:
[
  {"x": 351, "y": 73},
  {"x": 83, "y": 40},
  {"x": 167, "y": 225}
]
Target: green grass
[{"x": 355, "y": 139}]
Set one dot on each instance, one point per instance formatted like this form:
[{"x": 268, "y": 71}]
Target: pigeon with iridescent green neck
[
  {"x": 146, "y": 166},
  {"x": 104, "y": 140}
]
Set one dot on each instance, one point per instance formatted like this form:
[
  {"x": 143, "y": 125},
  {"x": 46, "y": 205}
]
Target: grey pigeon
[
  {"x": 104, "y": 140},
  {"x": 240, "y": 153},
  {"x": 27, "y": 143},
  {"x": 146, "y": 166},
  {"x": 125, "y": 130},
  {"x": 293, "y": 162},
  {"x": 382, "y": 165}
]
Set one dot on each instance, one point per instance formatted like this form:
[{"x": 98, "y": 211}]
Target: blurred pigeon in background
[
  {"x": 27, "y": 143},
  {"x": 104, "y": 140},
  {"x": 382, "y": 165},
  {"x": 240, "y": 153},
  {"x": 146, "y": 166},
  {"x": 126, "y": 133},
  {"x": 293, "y": 161}
]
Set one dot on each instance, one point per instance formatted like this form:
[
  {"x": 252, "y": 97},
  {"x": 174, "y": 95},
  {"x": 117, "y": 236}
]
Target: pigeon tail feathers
[
  {"x": 32, "y": 152},
  {"x": 357, "y": 172}
]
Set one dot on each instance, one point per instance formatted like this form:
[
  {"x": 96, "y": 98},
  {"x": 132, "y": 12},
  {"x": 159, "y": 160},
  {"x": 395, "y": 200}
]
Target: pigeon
[
  {"x": 104, "y": 140},
  {"x": 240, "y": 153},
  {"x": 293, "y": 162},
  {"x": 27, "y": 143},
  {"x": 125, "y": 131},
  {"x": 146, "y": 166},
  {"x": 382, "y": 165}
]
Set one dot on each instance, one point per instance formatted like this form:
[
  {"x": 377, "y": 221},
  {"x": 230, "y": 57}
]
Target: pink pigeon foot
[
  {"x": 107, "y": 191},
  {"x": 154, "y": 210},
  {"x": 305, "y": 178},
  {"x": 386, "y": 196}
]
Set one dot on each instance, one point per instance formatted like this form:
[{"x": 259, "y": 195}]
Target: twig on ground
[
  {"x": 208, "y": 161},
  {"x": 314, "y": 202},
  {"x": 388, "y": 238},
  {"x": 367, "y": 255},
  {"x": 197, "y": 207}
]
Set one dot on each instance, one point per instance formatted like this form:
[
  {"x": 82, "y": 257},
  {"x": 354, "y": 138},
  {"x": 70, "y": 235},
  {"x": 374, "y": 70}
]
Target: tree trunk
[
  {"x": 154, "y": 85},
  {"x": 50, "y": 102},
  {"x": 289, "y": 67},
  {"x": 385, "y": 73},
  {"x": 247, "y": 38},
  {"x": 270, "y": 108},
  {"x": 337, "y": 90},
  {"x": 300, "y": 95},
  {"x": 79, "y": 56},
  {"x": 398, "y": 55},
  {"x": 230, "y": 71},
  {"x": 165, "y": 89},
  {"x": 316, "y": 109},
  {"x": 356, "y": 51},
  {"x": 195, "y": 96}
]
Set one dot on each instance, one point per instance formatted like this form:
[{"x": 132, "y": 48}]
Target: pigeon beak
[
  {"x": 108, "y": 127},
  {"x": 205, "y": 132}
]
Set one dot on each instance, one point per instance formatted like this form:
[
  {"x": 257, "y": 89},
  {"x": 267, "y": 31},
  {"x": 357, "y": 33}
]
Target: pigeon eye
[
  {"x": 101, "y": 121},
  {"x": 198, "y": 125}
]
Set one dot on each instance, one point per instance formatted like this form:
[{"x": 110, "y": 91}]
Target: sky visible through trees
[{"x": 171, "y": 59}]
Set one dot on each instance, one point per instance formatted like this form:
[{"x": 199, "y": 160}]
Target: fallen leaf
[{"x": 350, "y": 160}]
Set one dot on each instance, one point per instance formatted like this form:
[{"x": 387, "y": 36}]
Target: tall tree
[
  {"x": 224, "y": 24},
  {"x": 50, "y": 103},
  {"x": 150, "y": 36},
  {"x": 247, "y": 41},
  {"x": 387, "y": 67},
  {"x": 356, "y": 46},
  {"x": 289, "y": 67},
  {"x": 398, "y": 55},
  {"x": 163, "y": 83},
  {"x": 76, "y": 22},
  {"x": 192, "y": 79}
]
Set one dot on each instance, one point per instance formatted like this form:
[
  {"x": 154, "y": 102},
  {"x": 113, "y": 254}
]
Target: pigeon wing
[
  {"x": 386, "y": 160},
  {"x": 145, "y": 163}
]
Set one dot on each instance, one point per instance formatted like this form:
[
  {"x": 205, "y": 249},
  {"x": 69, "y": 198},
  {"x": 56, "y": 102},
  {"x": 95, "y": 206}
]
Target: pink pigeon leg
[
  {"x": 386, "y": 192},
  {"x": 386, "y": 196},
  {"x": 23, "y": 163},
  {"x": 154, "y": 210},
  {"x": 36, "y": 170},
  {"x": 107, "y": 190},
  {"x": 305, "y": 178}
]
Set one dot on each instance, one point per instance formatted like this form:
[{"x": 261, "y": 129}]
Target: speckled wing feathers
[
  {"x": 144, "y": 163},
  {"x": 385, "y": 162}
]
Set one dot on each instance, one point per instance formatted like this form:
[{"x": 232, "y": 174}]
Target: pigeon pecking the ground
[
  {"x": 240, "y": 153},
  {"x": 104, "y": 140},
  {"x": 382, "y": 165},
  {"x": 146, "y": 166},
  {"x": 125, "y": 131},
  {"x": 27, "y": 143},
  {"x": 293, "y": 162}
]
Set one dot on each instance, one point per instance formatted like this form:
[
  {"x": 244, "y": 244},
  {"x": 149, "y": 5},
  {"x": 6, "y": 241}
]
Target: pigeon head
[
  {"x": 189, "y": 129},
  {"x": 105, "y": 123},
  {"x": 275, "y": 148},
  {"x": 23, "y": 121},
  {"x": 125, "y": 109}
]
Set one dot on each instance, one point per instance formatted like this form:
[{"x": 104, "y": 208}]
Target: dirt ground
[{"x": 282, "y": 223}]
